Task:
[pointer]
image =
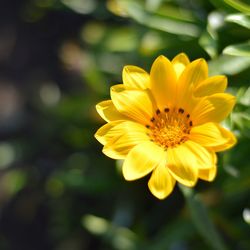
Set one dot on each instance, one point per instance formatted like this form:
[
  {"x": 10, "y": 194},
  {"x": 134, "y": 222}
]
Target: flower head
[{"x": 167, "y": 122}]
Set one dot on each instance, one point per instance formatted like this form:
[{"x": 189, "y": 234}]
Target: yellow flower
[{"x": 167, "y": 123}]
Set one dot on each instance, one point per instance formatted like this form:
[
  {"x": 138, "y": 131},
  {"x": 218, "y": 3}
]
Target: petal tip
[
  {"x": 98, "y": 106},
  {"x": 127, "y": 176},
  {"x": 201, "y": 62},
  {"x": 161, "y": 195},
  {"x": 183, "y": 56},
  {"x": 208, "y": 174},
  {"x": 126, "y": 70},
  {"x": 161, "y": 58}
]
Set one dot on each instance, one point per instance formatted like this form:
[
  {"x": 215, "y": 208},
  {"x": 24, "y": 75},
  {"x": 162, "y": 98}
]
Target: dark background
[{"x": 57, "y": 190}]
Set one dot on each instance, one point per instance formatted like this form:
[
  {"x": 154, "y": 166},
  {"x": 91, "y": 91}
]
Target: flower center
[{"x": 170, "y": 127}]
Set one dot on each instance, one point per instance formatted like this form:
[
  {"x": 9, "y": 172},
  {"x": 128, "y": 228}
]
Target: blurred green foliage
[{"x": 58, "y": 191}]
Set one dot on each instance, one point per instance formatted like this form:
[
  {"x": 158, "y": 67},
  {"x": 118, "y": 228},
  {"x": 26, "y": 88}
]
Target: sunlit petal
[
  {"x": 213, "y": 108},
  {"x": 135, "y": 78},
  {"x": 194, "y": 73},
  {"x": 230, "y": 143},
  {"x": 212, "y": 135},
  {"x": 136, "y": 104},
  {"x": 212, "y": 85},
  {"x": 141, "y": 160},
  {"x": 179, "y": 63},
  {"x": 208, "y": 174},
  {"x": 182, "y": 165},
  {"x": 161, "y": 182},
  {"x": 103, "y": 134},
  {"x": 163, "y": 81},
  {"x": 122, "y": 138},
  {"x": 108, "y": 112}
]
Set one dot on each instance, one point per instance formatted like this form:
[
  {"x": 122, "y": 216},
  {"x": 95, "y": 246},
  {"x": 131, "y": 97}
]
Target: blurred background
[{"x": 58, "y": 58}]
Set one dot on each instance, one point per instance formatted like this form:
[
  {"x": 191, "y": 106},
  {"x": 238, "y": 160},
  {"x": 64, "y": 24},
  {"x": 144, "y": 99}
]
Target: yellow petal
[
  {"x": 197, "y": 155},
  {"x": 230, "y": 143},
  {"x": 141, "y": 160},
  {"x": 161, "y": 182},
  {"x": 203, "y": 158},
  {"x": 185, "y": 160},
  {"x": 179, "y": 63},
  {"x": 213, "y": 108},
  {"x": 212, "y": 85},
  {"x": 180, "y": 168},
  {"x": 108, "y": 112},
  {"x": 135, "y": 78},
  {"x": 186, "y": 100},
  {"x": 212, "y": 135},
  {"x": 117, "y": 88},
  {"x": 103, "y": 135},
  {"x": 136, "y": 104},
  {"x": 163, "y": 81},
  {"x": 122, "y": 138},
  {"x": 194, "y": 73},
  {"x": 208, "y": 174}
]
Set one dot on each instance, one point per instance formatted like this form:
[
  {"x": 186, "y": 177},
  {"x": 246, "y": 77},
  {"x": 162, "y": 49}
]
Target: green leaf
[
  {"x": 239, "y": 5},
  {"x": 153, "y": 4},
  {"x": 241, "y": 19},
  {"x": 202, "y": 220},
  {"x": 171, "y": 233},
  {"x": 152, "y": 20},
  {"x": 220, "y": 4},
  {"x": 241, "y": 49},
  {"x": 243, "y": 96},
  {"x": 177, "y": 13},
  {"x": 121, "y": 40},
  {"x": 229, "y": 65},
  {"x": 241, "y": 119},
  {"x": 81, "y": 7},
  {"x": 208, "y": 42}
]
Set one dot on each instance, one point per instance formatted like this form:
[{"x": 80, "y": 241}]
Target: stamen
[
  {"x": 181, "y": 111},
  {"x": 170, "y": 128}
]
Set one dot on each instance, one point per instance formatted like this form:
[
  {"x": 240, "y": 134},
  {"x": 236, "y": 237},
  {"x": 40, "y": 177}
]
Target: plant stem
[{"x": 202, "y": 220}]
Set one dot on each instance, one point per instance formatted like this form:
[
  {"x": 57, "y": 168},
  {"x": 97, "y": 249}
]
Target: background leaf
[
  {"x": 240, "y": 19},
  {"x": 242, "y": 49}
]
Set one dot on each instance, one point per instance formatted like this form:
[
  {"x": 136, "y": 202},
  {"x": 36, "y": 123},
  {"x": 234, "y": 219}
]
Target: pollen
[{"x": 170, "y": 127}]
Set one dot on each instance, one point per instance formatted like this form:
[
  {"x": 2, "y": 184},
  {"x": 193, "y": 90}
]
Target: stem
[{"x": 202, "y": 220}]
